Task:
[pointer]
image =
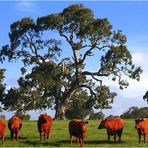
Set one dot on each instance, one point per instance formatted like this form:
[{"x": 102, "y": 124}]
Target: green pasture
[{"x": 29, "y": 136}]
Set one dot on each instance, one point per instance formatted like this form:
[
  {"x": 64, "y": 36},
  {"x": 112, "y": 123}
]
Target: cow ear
[
  {"x": 86, "y": 122},
  {"x": 136, "y": 119},
  {"x": 140, "y": 119}
]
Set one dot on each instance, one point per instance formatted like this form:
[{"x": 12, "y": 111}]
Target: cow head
[
  {"x": 42, "y": 118},
  {"x": 137, "y": 122},
  {"x": 83, "y": 125},
  {"x": 102, "y": 124}
]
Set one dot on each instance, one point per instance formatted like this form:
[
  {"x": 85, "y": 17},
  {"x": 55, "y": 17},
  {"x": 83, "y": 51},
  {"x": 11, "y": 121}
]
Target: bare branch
[
  {"x": 94, "y": 73},
  {"x": 86, "y": 54},
  {"x": 90, "y": 89},
  {"x": 89, "y": 52}
]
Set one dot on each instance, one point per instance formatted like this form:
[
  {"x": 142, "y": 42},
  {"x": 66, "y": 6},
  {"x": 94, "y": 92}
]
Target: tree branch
[
  {"x": 94, "y": 73},
  {"x": 90, "y": 89}
]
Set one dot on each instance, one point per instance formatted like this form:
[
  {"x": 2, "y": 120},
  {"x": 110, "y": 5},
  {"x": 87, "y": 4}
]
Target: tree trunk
[
  {"x": 60, "y": 112},
  {"x": 62, "y": 103}
]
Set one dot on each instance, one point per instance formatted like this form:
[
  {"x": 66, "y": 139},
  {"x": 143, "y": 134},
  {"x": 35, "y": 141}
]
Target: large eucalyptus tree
[{"x": 87, "y": 39}]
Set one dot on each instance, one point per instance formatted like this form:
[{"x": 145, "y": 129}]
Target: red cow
[
  {"x": 2, "y": 129},
  {"x": 114, "y": 127},
  {"x": 142, "y": 127},
  {"x": 14, "y": 125},
  {"x": 44, "y": 125},
  {"x": 78, "y": 129}
]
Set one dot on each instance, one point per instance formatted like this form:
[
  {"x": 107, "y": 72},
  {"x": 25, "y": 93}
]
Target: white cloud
[
  {"x": 133, "y": 94},
  {"x": 136, "y": 89},
  {"x": 122, "y": 104},
  {"x": 25, "y": 6},
  {"x": 140, "y": 58}
]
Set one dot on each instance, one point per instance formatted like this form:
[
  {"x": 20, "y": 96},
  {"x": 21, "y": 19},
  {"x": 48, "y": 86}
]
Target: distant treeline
[
  {"x": 135, "y": 112},
  {"x": 132, "y": 113}
]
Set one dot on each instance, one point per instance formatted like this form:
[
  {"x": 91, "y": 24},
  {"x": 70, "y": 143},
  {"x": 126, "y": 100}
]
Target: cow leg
[
  {"x": 139, "y": 135},
  {"x": 2, "y": 139},
  {"x": 139, "y": 138},
  {"x": 70, "y": 141},
  {"x": 77, "y": 140},
  {"x": 120, "y": 134},
  {"x": 82, "y": 142},
  {"x": 47, "y": 137},
  {"x": 44, "y": 136},
  {"x": 40, "y": 136},
  {"x": 108, "y": 137},
  {"x": 114, "y": 137},
  {"x": 48, "y": 134},
  {"x": 144, "y": 138},
  {"x": 108, "y": 134},
  {"x": 11, "y": 135},
  {"x": 16, "y": 135},
  {"x": 119, "y": 138}
]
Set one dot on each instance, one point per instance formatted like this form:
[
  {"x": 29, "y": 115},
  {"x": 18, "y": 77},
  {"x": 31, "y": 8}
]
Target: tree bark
[
  {"x": 60, "y": 112},
  {"x": 62, "y": 102}
]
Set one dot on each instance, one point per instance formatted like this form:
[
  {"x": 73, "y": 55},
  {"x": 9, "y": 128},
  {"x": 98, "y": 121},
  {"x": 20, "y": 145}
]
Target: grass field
[{"x": 29, "y": 136}]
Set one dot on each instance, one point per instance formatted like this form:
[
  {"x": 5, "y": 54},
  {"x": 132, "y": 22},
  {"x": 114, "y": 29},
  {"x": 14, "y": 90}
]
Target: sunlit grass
[{"x": 59, "y": 137}]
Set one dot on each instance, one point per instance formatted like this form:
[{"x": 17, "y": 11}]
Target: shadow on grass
[
  {"x": 46, "y": 143},
  {"x": 60, "y": 143},
  {"x": 110, "y": 142},
  {"x": 91, "y": 141},
  {"x": 20, "y": 138}
]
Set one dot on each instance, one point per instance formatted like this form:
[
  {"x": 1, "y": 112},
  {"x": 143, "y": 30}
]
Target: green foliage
[
  {"x": 2, "y": 117},
  {"x": 104, "y": 97},
  {"x": 22, "y": 115},
  {"x": 135, "y": 112},
  {"x": 24, "y": 36},
  {"x": 79, "y": 107}
]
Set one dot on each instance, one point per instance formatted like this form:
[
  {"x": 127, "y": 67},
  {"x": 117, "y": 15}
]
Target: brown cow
[
  {"x": 114, "y": 127},
  {"x": 2, "y": 129},
  {"x": 44, "y": 125},
  {"x": 78, "y": 129},
  {"x": 14, "y": 125},
  {"x": 142, "y": 127}
]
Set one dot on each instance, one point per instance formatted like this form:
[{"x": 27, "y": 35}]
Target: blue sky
[{"x": 129, "y": 16}]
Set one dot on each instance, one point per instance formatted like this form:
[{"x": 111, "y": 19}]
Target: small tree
[
  {"x": 22, "y": 115},
  {"x": 2, "y": 117}
]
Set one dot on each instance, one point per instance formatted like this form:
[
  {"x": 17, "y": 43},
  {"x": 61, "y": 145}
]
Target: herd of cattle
[{"x": 77, "y": 128}]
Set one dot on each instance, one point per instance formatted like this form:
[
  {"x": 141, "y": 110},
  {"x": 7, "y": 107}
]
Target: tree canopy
[
  {"x": 53, "y": 80},
  {"x": 79, "y": 107}
]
